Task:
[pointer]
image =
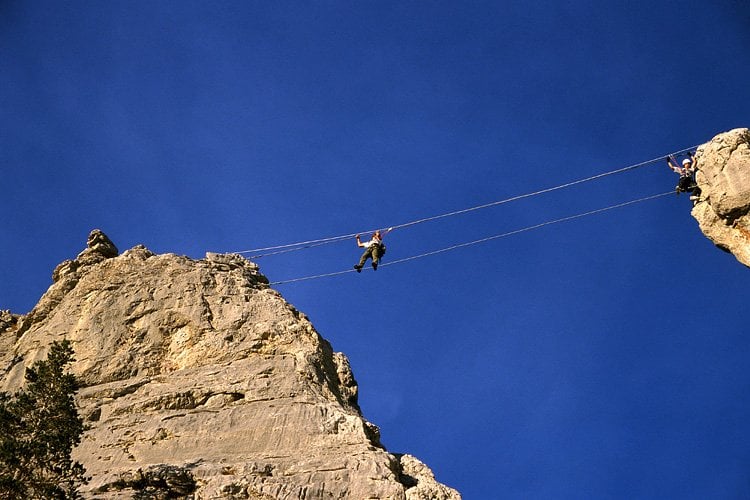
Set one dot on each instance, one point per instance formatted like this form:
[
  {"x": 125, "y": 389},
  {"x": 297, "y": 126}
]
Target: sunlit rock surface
[
  {"x": 723, "y": 176},
  {"x": 202, "y": 382}
]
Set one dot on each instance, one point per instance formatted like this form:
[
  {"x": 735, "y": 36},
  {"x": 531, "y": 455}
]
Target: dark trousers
[
  {"x": 371, "y": 252},
  {"x": 687, "y": 185}
]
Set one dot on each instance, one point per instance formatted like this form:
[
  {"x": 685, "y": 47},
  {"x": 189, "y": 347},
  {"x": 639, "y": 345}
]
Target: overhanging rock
[{"x": 723, "y": 176}]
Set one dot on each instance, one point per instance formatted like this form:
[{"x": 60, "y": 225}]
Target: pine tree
[{"x": 39, "y": 426}]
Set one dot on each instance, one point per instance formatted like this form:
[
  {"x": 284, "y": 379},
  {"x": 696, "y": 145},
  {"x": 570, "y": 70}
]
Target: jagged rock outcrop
[
  {"x": 723, "y": 176},
  {"x": 201, "y": 382}
]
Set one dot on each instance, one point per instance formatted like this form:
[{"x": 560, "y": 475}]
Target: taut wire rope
[
  {"x": 301, "y": 245},
  {"x": 483, "y": 240}
]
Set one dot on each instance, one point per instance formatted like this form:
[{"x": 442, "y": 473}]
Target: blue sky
[{"x": 601, "y": 358}]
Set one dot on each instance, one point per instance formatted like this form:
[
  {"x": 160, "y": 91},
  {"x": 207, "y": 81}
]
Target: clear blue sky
[{"x": 601, "y": 358}]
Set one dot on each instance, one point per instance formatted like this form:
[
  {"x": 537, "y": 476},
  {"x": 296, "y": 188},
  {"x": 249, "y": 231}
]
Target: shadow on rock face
[{"x": 723, "y": 175}]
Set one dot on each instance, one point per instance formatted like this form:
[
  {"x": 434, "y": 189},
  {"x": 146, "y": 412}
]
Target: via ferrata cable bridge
[{"x": 301, "y": 245}]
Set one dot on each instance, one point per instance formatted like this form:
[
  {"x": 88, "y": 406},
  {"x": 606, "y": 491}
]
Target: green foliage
[{"x": 39, "y": 426}]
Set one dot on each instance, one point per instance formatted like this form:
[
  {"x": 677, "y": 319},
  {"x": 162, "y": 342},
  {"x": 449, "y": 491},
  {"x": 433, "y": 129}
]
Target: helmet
[{"x": 686, "y": 161}]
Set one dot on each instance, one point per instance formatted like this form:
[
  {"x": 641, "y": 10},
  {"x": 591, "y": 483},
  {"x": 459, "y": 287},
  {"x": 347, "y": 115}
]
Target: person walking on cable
[{"x": 374, "y": 249}]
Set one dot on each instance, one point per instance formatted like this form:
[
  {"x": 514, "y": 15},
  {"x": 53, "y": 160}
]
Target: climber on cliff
[
  {"x": 687, "y": 183},
  {"x": 374, "y": 249}
]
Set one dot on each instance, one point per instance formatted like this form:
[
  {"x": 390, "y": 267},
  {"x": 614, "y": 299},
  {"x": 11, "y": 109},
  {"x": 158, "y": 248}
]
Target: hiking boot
[
  {"x": 358, "y": 268},
  {"x": 374, "y": 267}
]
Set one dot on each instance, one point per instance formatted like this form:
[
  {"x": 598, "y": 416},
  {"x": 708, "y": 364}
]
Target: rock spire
[{"x": 201, "y": 382}]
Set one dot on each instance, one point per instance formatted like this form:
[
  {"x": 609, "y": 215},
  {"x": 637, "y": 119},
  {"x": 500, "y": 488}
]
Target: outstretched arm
[
  {"x": 693, "y": 162},
  {"x": 673, "y": 164},
  {"x": 359, "y": 242}
]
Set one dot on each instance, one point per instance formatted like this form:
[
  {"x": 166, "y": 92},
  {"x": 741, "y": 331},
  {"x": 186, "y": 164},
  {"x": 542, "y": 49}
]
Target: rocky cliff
[
  {"x": 202, "y": 382},
  {"x": 723, "y": 212}
]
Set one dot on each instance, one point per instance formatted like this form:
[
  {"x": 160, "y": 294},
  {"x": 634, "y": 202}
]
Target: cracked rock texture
[
  {"x": 202, "y": 382},
  {"x": 723, "y": 175}
]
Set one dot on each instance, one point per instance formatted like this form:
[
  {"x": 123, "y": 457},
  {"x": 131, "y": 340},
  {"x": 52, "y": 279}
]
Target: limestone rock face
[
  {"x": 202, "y": 382},
  {"x": 723, "y": 175}
]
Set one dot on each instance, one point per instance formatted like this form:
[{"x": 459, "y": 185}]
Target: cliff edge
[
  {"x": 723, "y": 175},
  {"x": 202, "y": 382}
]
